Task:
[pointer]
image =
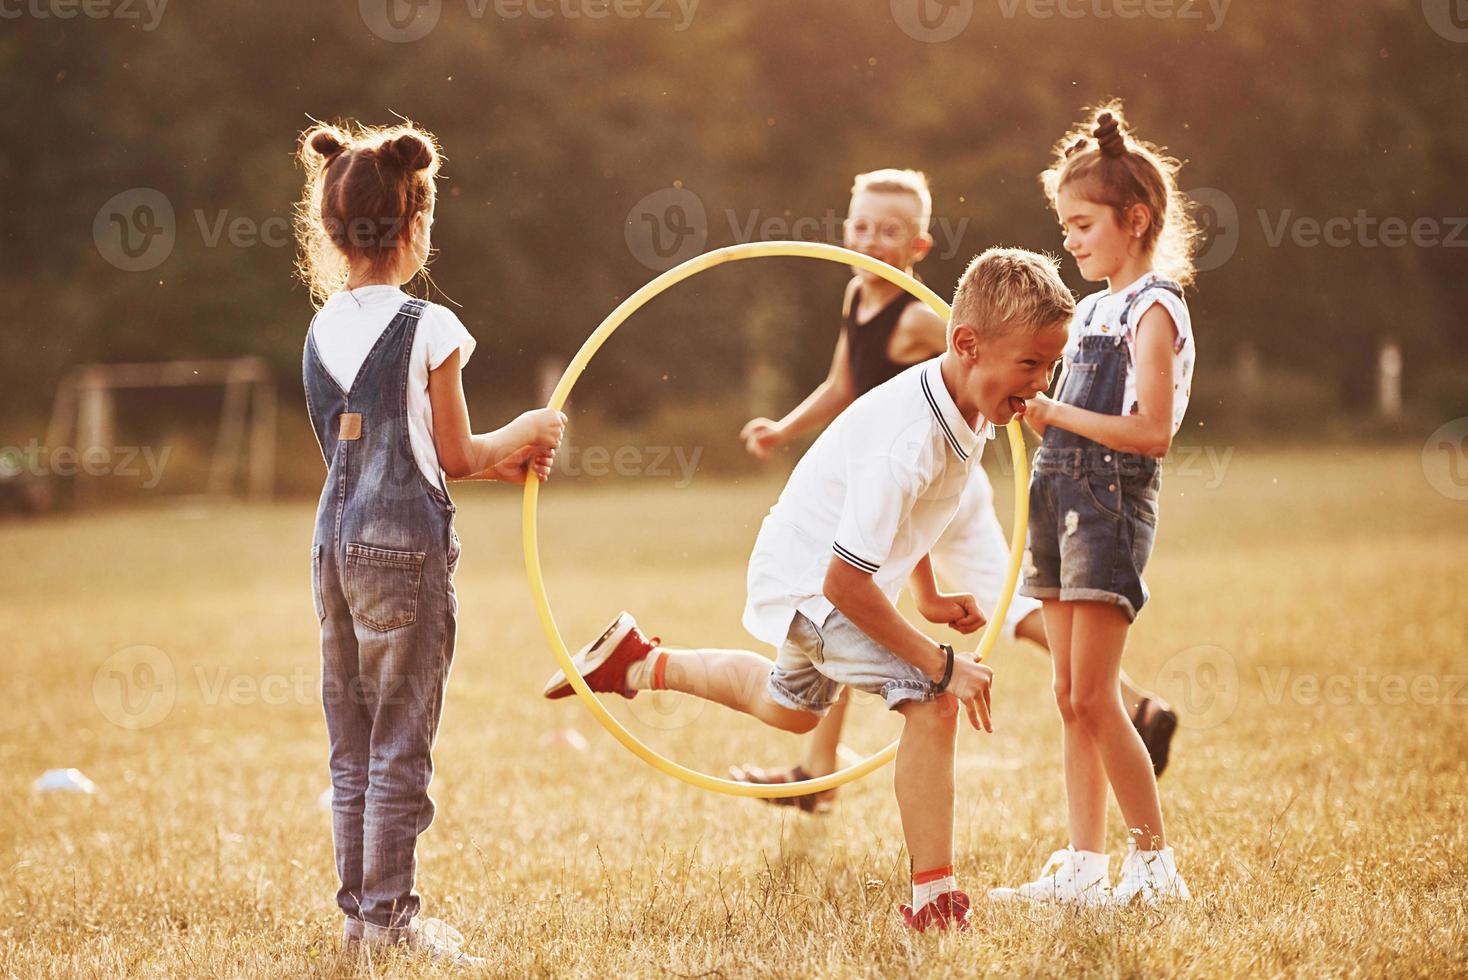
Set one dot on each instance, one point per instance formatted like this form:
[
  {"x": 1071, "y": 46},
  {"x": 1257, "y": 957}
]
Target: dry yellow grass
[{"x": 1322, "y": 830}]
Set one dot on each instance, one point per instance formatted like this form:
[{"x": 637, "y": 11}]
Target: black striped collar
[{"x": 965, "y": 441}]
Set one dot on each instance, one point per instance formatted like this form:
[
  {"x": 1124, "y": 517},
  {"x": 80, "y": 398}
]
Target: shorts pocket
[
  {"x": 316, "y": 583},
  {"x": 806, "y": 636},
  {"x": 1144, "y": 506},
  {"x": 1105, "y": 492},
  {"x": 381, "y": 586}
]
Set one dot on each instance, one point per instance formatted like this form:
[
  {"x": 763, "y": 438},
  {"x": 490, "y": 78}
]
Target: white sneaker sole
[{"x": 595, "y": 653}]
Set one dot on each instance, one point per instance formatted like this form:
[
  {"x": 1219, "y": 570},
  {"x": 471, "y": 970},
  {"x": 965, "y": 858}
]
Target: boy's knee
[
  {"x": 803, "y": 722},
  {"x": 939, "y": 714},
  {"x": 791, "y": 720}
]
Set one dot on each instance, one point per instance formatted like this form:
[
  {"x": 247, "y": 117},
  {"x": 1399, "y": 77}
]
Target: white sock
[
  {"x": 640, "y": 673},
  {"x": 925, "y": 892}
]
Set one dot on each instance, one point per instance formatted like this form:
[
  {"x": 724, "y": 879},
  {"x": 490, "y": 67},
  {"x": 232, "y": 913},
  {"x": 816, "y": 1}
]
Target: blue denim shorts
[
  {"x": 817, "y": 660},
  {"x": 1093, "y": 518}
]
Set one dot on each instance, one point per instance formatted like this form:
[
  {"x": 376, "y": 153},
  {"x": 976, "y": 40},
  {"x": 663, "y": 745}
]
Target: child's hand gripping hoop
[{"x": 675, "y": 275}]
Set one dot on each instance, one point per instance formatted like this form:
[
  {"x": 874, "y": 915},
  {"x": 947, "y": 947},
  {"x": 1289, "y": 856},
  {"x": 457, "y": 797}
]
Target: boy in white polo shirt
[{"x": 855, "y": 522}]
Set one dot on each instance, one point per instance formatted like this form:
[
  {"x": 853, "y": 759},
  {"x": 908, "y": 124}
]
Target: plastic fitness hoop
[{"x": 692, "y": 267}]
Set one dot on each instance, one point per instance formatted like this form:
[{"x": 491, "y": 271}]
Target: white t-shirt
[
  {"x": 1106, "y": 321},
  {"x": 349, "y": 324},
  {"x": 876, "y": 490}
]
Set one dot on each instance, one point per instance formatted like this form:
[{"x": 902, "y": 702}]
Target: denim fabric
[
  {"x": 816, "y": 659},
  {"x": 382, "y": 564},
  {"x": 1093, "y": 510}
]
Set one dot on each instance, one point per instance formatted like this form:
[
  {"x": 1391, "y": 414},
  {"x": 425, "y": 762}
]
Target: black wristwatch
[{"x": 947, "y": 668}]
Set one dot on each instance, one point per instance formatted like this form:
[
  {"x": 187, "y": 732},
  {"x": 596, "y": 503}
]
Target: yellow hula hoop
[{"x": 692, "y": 267}]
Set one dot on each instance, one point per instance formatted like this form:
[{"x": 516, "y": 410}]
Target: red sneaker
[
  {"x": 603, "y": 662},
  {"x": 950, "y": 909}
]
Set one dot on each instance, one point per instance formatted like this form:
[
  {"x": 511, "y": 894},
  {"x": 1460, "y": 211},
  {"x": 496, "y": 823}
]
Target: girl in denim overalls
[
  {"x": 1093, "y": 492},
  {"x": 382, "y": 381}
]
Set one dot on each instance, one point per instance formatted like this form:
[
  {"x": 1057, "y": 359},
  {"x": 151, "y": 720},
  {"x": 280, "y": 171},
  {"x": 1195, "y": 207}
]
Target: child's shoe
[
  {"x": 603, "y": 663},
  {"x": 1070, "y": 877},
  {"x": 818, "y": 803},
  {"x": 1150, "y": 877},
  {"x": 1157, "y": 724},
  {"x": 435, "y": 938},
  {"x": 949, "y": 910}
]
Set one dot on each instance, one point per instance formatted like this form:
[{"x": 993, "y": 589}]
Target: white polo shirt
[{"x": 875, "y": 490}]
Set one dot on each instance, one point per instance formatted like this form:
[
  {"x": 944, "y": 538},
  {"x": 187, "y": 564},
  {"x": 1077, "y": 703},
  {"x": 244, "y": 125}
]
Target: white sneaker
[
  {"x": 433, "y": 937},
  {"x": 1070, "y": 877},
  {"x": 1150, "y": 877}
]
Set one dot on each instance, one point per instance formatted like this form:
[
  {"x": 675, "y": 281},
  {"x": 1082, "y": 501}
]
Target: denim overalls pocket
[
  {"x": 381, "y": 586},
  {"x": 316, "y": 583},
  {"x": 1075, "y": 387}
]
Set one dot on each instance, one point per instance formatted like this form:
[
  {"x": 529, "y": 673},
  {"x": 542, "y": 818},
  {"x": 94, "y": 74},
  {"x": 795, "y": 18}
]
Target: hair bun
[
  {"x": 408, "y": 151},
  {"x": 326, "y": 142},
  {"x": 1109, "y": 135}
]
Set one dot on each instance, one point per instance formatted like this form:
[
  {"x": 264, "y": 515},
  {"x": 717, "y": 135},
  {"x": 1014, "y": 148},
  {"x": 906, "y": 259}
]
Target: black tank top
[{"x": 867, "y": 343}]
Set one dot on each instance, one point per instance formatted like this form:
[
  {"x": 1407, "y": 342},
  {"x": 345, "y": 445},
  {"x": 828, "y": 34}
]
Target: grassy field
[{"x": 1308, "y": 618}]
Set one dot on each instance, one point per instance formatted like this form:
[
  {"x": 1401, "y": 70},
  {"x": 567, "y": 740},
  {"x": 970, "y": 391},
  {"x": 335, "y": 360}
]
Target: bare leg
[
  {"x": 1032, "y": 628},
  {"x": 924, "y": 780},
  {"x": 1085, "y": 774},
  {"x": 736, "y": 679},
  {"x": 820, "y": 750},
  {"x": 1098, "y": 638}
]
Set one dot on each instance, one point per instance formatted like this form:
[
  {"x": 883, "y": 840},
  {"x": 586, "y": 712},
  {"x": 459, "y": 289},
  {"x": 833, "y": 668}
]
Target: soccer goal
[{"x": 82, "y": 419}]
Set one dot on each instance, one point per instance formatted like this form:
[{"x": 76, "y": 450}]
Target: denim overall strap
[
  {"x": 1095, "y": 380},
  {"x": 1164, "y": 284}
]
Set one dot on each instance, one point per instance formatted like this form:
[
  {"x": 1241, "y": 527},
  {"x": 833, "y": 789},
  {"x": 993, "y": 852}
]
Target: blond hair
[
  {"x": 1099, "y": 161},
  {"x": 890, "y": 180},
  {"x": 1006, "y": 290}
]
